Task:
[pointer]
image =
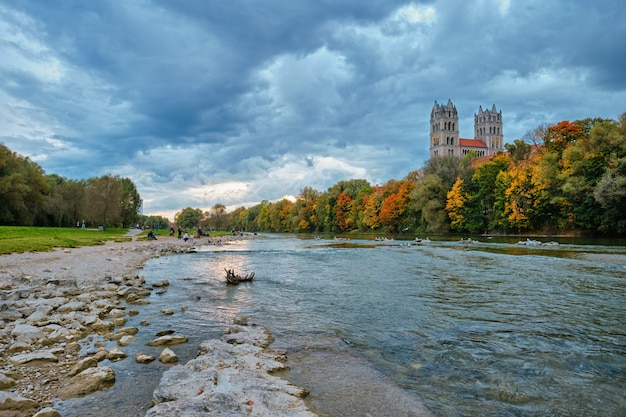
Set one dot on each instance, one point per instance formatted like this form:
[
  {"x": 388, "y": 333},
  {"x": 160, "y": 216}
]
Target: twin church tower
[{"x": 444, "y": 132}]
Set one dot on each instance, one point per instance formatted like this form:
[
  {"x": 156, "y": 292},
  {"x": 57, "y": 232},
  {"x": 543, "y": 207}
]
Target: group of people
[{"x": 182, "y": 234}]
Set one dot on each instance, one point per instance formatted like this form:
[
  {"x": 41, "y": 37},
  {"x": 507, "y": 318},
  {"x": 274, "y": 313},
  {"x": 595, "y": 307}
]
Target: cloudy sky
[{"x": 201, "y": 102}]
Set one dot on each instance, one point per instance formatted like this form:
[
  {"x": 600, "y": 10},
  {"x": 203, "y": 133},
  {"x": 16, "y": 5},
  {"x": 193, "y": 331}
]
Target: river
[{"x": 491, "y": 328}]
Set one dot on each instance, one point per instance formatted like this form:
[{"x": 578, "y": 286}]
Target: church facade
[{"x": 444, "y": 132}]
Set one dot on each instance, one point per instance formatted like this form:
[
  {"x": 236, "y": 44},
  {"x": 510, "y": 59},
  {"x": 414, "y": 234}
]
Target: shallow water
[{"x": 488, "y": 329}]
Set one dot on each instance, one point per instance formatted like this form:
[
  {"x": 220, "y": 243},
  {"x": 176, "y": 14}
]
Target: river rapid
[{"x": 490, "y": 328}]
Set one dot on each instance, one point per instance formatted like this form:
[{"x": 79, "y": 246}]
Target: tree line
[
  {"x": 29, "y": 197},
  {"x": 568, "y": 178}
]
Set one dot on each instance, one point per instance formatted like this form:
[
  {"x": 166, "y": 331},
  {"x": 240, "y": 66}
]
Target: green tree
[
  {"x": 429, "y": 203},
  {"x": 448, "y": 168},
  {"x": 188, "y": 218},
  {"x": 63, "y": 206},
  {"x": 518, "y": 150},
  {"x": 483, "y": 187},
  {"x": 610, "y": 192},
  {"x": 104, "y": 200},
  {"x": 217, "y": 217},
  {"x": 23, "y": 188},
  {"x": 131, "y": 202}
]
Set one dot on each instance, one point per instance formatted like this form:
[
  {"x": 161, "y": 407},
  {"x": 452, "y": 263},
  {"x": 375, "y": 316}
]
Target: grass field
[{"x": 18, "y": 239}]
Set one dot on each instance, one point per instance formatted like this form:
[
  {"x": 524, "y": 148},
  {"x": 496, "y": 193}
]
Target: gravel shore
[{"x": 50, "y": 302}]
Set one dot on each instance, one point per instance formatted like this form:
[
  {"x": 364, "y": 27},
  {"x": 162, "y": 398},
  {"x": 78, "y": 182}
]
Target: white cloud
[
  {"x": 300, "y": 87},
  {"x": 417, "y": 14}
]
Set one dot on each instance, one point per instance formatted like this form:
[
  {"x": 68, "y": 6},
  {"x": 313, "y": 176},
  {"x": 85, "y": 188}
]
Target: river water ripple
[{"x": 486, "y": 329}]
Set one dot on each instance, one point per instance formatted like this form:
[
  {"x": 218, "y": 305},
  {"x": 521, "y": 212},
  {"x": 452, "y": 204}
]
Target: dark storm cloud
[{"x": 201, "y": 102}]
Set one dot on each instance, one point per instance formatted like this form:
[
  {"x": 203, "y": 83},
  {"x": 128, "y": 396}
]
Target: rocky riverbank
[
  {"x": 58, "y": 309},
  {"x": 231, "y": 377}
]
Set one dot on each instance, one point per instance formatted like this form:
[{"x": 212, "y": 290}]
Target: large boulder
[{"x": 88, "y": 381}]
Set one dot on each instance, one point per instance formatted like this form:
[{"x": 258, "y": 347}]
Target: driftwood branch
[{"x": 234, "y": 279}]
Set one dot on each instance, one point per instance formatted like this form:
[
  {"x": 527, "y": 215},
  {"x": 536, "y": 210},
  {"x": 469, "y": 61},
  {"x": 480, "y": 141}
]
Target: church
[{"x": 444, "y": 132}]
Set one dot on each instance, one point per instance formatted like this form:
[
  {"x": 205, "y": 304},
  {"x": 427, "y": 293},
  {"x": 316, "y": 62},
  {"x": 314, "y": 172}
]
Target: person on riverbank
[{"x": 151, "y": 235}]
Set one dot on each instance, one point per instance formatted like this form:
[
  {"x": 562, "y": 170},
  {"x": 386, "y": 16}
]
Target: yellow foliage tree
[{"x": 456, "y": 205}]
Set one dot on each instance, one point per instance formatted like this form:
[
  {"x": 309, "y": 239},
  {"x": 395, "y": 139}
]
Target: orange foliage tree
[
  {"x": 395, "y": 206},
  {"x": 343, "y": 210}
]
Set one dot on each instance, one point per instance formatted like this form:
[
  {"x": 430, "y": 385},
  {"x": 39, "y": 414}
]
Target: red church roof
[{"x": 472, "y": 143}]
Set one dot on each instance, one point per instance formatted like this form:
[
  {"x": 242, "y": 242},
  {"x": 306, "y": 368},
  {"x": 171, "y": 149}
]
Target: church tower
[
  {"x": 488, "y": 129},
  {"x": 444, "y": 130}
]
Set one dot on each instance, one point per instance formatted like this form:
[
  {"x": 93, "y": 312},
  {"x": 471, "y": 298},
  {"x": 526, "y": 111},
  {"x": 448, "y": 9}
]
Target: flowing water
[{"x": 375, "y": 328}]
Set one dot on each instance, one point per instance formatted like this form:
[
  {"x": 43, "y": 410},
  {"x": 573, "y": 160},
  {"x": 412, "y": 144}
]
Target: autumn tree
[
  {"x": 557, "y": 137},
  {"x": 278, "y": 214},
  {"x": 342, "y": 212},
  {"x": 371, "y": 208},
  {"x": 457, "y": 206},
  {"x": 304, "y": 215},
  {"x": 396, "y": 205}
]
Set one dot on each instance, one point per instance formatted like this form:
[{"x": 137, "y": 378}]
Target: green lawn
[{"x": 18, "y": 239}]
